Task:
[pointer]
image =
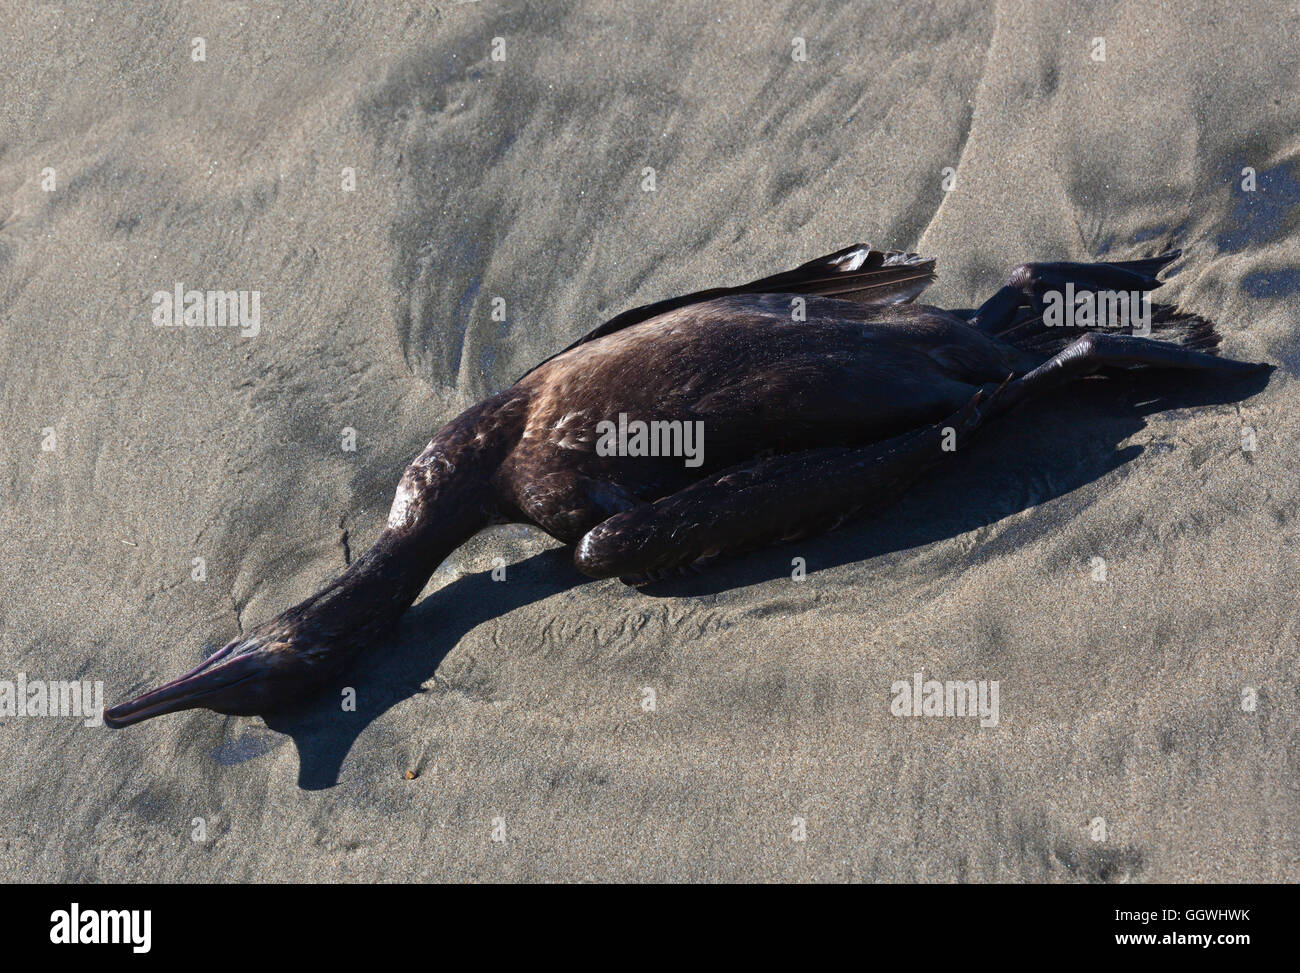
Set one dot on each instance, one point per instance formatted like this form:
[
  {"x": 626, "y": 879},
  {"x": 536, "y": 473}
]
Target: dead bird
[{"x": 822, "y": 393}]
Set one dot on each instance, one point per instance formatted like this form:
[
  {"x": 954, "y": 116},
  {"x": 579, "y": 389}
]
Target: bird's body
[
  {"x": 777, "y": 409},
  {"x": 847, "y": 374},
  {"x": 755, "y": 381}
]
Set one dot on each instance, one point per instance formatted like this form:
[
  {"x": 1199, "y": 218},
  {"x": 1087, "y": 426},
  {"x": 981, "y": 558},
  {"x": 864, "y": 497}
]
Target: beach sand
[{"x": 1147, "y": 722}]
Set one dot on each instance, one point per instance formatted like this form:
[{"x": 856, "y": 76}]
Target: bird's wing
[{"x": 856, "y": 273}]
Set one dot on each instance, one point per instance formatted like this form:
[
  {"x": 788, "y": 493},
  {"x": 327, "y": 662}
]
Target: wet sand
[{"x": 1147, "y": 722}]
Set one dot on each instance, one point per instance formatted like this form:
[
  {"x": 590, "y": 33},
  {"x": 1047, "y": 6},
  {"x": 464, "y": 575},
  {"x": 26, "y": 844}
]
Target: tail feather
[
  {"x": 1168, "y": 323},
  {"x": 1149, "y": 266}
]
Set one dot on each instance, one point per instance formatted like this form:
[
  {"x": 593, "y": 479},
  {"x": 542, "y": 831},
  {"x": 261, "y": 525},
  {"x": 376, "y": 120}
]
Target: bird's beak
[{"x": 213, "y": 684}]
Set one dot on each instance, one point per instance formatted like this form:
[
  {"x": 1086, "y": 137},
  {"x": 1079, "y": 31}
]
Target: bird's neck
[
  {"x": 381, "y": 584},
  {"x": 444, "y": 498}
]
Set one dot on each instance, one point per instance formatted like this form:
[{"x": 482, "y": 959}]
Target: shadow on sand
[{"x": 1043, "y": 450}]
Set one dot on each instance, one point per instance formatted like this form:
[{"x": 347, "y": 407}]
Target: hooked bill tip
[{"x": 210, "y": 682}]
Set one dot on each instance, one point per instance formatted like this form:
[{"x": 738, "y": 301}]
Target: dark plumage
[{"x": 821, "y": 391}]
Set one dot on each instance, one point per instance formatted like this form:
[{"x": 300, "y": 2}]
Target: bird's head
[{"x": 263, "y": 670}]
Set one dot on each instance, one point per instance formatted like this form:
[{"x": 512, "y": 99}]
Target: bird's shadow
[
  {"x": 1043, "y": 450},
  {"x": 397, "y": 669}
]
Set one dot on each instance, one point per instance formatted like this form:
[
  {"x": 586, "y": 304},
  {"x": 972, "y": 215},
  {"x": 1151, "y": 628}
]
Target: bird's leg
[
  {"x": 771, "y": 500},
  {"x": 1097, "y": 350},
  {"x": 1028, "y": 282}
]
